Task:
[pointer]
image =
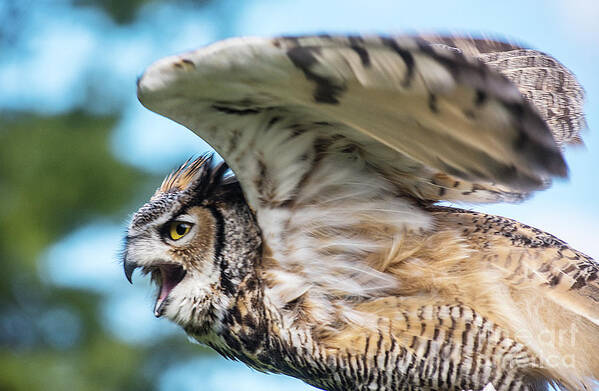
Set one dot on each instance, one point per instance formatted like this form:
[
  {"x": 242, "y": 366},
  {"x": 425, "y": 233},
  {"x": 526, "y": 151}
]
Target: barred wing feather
[{"x": 427, "y": 113}]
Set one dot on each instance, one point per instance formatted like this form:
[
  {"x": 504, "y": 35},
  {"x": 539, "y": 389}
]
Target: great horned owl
[{"x": 326, "y": 256}]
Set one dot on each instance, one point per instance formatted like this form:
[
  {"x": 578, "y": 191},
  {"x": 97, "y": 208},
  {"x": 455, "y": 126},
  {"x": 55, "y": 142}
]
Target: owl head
[{"x": 197, "y": 239}]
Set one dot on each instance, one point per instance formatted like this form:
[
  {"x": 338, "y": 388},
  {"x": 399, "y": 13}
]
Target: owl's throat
[{"x": 168, "y": 276}]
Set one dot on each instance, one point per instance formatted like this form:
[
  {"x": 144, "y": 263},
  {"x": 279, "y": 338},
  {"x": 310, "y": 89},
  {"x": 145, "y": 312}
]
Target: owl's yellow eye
[{"x": 178, "y": 229}]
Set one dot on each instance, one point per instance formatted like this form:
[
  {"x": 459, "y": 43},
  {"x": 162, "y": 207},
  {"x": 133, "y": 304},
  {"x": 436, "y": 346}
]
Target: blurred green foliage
[{"x": 56, "y": 172}]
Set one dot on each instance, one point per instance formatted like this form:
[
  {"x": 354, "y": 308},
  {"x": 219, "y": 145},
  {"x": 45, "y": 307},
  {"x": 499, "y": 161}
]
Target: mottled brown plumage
[{"x": 325, "y": 257}]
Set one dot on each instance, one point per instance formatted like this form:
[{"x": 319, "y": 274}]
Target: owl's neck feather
[
  {"x": 241, "y": 245},
  {"x": 237, "y": 252}
]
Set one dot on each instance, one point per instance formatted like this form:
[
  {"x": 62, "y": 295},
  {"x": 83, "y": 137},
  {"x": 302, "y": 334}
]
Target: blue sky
[{"x": 66, "y": 48}]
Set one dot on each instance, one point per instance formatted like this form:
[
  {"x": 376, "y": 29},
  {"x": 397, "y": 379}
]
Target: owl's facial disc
[{"x": 177, "y": 249}]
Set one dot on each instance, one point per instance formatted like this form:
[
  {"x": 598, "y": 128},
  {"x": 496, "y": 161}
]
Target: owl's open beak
[
  {"x": 166, "y": 275},
  {"x": 170, "y": 276}
]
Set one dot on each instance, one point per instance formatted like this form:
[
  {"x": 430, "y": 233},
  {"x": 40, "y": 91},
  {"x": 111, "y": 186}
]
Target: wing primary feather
[{"x": 425, "y": 106}]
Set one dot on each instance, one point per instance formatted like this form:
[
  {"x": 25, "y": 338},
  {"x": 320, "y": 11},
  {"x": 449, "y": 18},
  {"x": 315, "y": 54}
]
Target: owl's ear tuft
[
  {"x": 199, "y": 178},
  {"x": 212, "y": 179},
  {"x": 188, "y": 174}
]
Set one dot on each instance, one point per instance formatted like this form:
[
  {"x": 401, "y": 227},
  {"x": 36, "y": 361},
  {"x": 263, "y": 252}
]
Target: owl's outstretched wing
[
  {"x": 341, "y": 145},
  {"x": 432, "y": 114},
  {"x": 334, "y": 139}
]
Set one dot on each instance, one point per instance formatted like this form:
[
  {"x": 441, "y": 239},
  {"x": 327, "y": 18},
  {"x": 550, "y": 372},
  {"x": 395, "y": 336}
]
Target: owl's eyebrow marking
[{"x": 148, "y": 213}]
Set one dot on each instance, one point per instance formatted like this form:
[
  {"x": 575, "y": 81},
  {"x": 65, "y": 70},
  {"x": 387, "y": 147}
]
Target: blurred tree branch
[{"x": 125, "y": 12}]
